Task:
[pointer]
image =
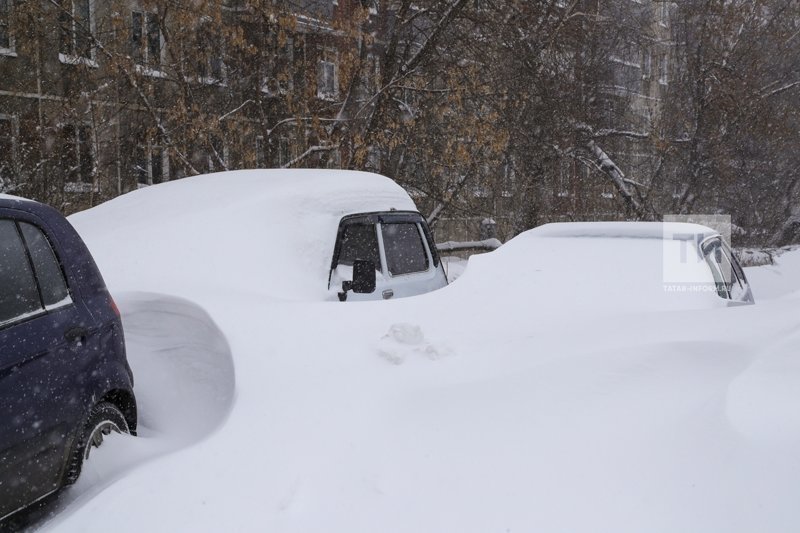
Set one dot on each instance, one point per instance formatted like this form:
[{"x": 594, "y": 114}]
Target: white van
[{"x": 303, "y": 232}]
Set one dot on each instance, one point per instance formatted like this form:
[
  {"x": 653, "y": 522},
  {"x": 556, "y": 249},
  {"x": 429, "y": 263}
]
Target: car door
[
  {"x": 40, "y": 340},
  {"x": 411, "y": 265}
]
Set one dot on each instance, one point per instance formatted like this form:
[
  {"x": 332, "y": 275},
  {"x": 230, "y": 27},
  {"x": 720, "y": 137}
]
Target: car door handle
[
  {"x": 77, "y": 335},
  {"x": 388, "y": 293}
]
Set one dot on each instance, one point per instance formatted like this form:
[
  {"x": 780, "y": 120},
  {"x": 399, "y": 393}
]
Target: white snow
[
  {"x": 539, "y": 392},
  {"x": 778, "y": 280}
]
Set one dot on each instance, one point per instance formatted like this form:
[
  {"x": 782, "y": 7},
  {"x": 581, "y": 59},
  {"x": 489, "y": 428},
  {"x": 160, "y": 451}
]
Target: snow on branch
[
  {"x": 7, "y": 186},
  {"x": 620, "y": 133},
  {"x": 779, "y": 90},
  {"x": 610, "y": 169},
  {"x": 229, "y": 113},
  {"x": 432, "y": 41},
  {"x": 308, "y": 152},
  {"x": 469, "y": 246},
  {"x": 451, "y": 193}
]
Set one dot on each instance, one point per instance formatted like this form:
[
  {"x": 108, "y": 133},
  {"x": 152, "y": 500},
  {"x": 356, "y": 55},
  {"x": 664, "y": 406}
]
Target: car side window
[
  {"x": 46, "y": 266},
  {"x": 728, "y": 275},
  {"x": 738, "y": 284},
  {"x": 405, "y": 252},
  {"x": 19, "y": 296},
  {"x": 712, "y": 251},
  {"x": 359, "y": 241}
]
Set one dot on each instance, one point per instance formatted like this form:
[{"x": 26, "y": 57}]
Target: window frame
[
  {"x": 217, "y": 160},
  {"x": 663, "y": 69},
  {"x": 84, "y": 184},
  {"x": 277, "y": 78},
  {"x": 73, "y": 56},
  {"x": 11, "y": 49},
  {"x": 148, "y": 149},
  {"x": 13, "y": 121},
  {"x": 212, "y": 48},
  {"x": 140, "y": 51},
  {"x": 328, "y": 57}
]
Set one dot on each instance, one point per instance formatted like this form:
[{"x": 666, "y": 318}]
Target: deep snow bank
[
  {"x": 780, "y": 279},
  {"x": 185, "y": 385},
  {"x": 523, "y": 397}
]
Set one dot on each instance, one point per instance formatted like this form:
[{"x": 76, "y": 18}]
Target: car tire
[{"x": 104, "y": 418}]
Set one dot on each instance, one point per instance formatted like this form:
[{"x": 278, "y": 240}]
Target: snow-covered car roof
[
  {"x": 275, "y": 226},
  {"x": 631, "y": 230}
]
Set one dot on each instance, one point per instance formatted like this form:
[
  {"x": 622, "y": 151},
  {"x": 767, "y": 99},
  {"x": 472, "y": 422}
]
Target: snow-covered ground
[{"x": 467, "y": 409}]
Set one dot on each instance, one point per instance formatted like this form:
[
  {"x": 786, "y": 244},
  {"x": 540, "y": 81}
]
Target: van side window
[
  {"x": 19, "y": 296},
  {"x": 359, "y": 241},
  {"x": 48, "y": 270},
  {"x": 405, "y": 252}
]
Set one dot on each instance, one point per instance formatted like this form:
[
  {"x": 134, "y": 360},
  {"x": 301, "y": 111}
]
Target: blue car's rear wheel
[{"x": 103, "y": 419}]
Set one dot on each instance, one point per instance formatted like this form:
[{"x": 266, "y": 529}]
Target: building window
[
  {"x": 663, "y": 72},
  {"x": 150, "y": 165},
  {"x": 6, "y": 35},
  {"x": 146, "y": 39},
  {"x": 278, "y": 68},
  {"x": 647, "y": 64},
  {"x": 261, "y": 160},
  {"x": 77, "y": 157},
  {"x": 210, "y": 65},
  {"x": 663, "y": 15},
  {"x": 327, "y": 82},
  {"x": 284, "y": 152},
  {"x": 76, "y": 21},
  {"x": 8, "y": 150},
  {"x": 217, "y": 158}
]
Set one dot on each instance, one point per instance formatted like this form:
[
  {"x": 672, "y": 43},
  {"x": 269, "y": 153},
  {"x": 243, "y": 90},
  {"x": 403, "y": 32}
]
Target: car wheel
[{"x": 104, "y": 418}]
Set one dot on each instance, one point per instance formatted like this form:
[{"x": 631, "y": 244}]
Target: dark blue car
[{"x": 64, "y": 379}]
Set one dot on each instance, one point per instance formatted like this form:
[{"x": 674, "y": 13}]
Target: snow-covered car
[
  {"x": 628, "y": 265},
  {"x": 692, "y": 257},
  {"x": 304, "y": 233},
  {"x": 64, "y": 377}
]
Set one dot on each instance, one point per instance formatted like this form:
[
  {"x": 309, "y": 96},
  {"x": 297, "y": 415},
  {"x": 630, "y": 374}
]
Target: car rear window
[
  {"x": 48, "y": 270},
  {"x": 19, "y": 296},
  {"x": 405, "y": 252}
]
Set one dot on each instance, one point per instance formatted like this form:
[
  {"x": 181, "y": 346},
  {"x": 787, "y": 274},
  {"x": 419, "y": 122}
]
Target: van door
[{"x": 411, "y": 264}]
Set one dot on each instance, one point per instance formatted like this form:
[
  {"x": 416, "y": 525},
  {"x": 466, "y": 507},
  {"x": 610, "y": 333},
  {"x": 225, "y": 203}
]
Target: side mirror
[{"x": 363, "y": 279}]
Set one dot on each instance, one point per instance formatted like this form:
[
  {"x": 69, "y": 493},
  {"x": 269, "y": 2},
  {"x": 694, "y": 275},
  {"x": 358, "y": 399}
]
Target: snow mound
[
  {"x": 762, "y": 402},
  {"x": 184, "y": 386},
  {"x": 778, "y": 280},
  {"x": 407, "y": 340},
  {"x": 183, "y": 367}
]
